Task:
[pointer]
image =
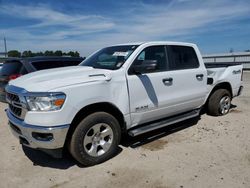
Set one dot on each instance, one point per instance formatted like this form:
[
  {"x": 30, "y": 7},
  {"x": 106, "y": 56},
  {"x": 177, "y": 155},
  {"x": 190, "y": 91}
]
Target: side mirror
[{"x": 145, "y": 66}]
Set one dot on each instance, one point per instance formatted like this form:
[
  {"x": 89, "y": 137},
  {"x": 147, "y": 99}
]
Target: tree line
[{"x": 28, "y": 53}]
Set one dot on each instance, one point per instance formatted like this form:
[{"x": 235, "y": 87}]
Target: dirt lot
[{"x": 210, "y": 152}]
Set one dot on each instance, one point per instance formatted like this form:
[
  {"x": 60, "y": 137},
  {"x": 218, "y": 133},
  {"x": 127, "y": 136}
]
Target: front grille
[
  {"x": 13, "y": 97},
  {"x": 14, "y": 104},
  {"x": 15, "y": 110}
]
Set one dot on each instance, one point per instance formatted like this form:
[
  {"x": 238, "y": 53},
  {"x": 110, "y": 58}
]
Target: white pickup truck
[{"x": 123, "y": 89}]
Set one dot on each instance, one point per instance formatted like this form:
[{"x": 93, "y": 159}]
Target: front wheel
[
  {"x": 95, "y": 139},
  {"x": 219, "y": 102}
]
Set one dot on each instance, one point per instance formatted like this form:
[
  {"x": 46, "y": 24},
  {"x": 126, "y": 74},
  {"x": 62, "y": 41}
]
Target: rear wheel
[
  {"x": 95, "y": 139},
  {"x": 219, "y": 102}
]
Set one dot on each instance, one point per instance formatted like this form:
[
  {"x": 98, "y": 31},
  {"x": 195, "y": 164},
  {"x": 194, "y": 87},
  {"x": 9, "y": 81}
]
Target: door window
[
  {"x": 156, "y": 53},
  {"x": 182, "y": 57}
]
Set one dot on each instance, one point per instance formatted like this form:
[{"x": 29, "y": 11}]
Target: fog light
[
  {"x": 42, "y": 136},
  {"x": 23, "y": 141}
]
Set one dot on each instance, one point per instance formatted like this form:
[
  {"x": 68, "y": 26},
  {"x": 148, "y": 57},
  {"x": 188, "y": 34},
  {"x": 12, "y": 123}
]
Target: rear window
[
  {"x": 41, "y": 65},
  {"x": 10, "y": 68},
  {"x": 182, "y": 57}
]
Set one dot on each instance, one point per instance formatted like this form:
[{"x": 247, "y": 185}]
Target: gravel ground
[{"x": 202, "y": 152}]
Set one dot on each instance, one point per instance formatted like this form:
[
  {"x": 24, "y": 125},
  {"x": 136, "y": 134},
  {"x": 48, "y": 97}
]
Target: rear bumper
[{"x": 38, "y": 137}]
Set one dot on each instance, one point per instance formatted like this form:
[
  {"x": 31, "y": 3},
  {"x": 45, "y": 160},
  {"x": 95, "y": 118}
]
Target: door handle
[
  {"x": 199, "y": 76},
  {"x": 167, "y": 81}
]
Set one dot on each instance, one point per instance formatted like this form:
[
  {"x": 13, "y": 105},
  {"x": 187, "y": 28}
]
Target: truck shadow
[
  {"x": 146, "y": 138},
  {"x": 40, "y": 158}
]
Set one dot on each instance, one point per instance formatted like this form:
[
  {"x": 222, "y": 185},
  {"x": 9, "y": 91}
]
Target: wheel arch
[
  {"x": 222, "y": 85},
  {"x": 96, "y": 107}
]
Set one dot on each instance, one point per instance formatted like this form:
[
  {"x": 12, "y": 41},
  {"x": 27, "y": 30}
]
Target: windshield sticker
[
  {"x": 119, "y": 64},
  {"x": 120, "y": 54}
]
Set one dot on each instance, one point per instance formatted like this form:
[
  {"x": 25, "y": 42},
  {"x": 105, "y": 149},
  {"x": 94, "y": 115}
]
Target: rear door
[{"x": 188, "y": 90}]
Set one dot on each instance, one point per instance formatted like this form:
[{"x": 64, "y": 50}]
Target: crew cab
[{"x": 122, "y": 89}]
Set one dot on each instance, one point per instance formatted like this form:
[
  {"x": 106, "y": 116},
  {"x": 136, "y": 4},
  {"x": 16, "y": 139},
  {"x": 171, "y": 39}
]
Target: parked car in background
[
  {"x": 1, "y": 64},
  {"x": 16, "y": 67}
]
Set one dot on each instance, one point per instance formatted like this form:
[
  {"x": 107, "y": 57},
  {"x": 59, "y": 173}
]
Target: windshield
[{"x": 110, "y": 58}]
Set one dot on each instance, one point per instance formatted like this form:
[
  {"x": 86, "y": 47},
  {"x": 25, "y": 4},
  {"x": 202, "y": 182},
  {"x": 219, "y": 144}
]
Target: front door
[{"x": 148, "y": 91}]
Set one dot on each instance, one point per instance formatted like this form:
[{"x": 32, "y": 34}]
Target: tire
[
  {"x": 95, "y": 139},
  {"x": 219, "y": 102}
]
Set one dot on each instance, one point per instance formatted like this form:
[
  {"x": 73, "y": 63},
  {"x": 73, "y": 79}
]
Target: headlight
[{"x": 45, "y": 103}]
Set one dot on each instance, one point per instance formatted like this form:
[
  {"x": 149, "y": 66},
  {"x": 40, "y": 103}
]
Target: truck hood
[{"x": 46, "y": 80}]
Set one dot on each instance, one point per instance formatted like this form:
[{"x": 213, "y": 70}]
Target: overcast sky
[{"x": 215, "y": 25}]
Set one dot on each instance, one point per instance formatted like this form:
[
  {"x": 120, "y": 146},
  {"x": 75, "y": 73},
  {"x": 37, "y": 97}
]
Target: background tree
[
  {"x": 27, "y": 54},
  {"x": 14, "y": 53},
  {"x": 38, "y": 54},
  {"x": 77, "y": 54},
  {"x": 48, "y": 53},
  {"x": 73, "y": 54},
  {"x": 58, "y": 53}
]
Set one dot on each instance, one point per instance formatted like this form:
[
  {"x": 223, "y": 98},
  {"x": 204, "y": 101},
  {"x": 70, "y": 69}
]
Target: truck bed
[
  {"x": 221, "y": 72},
  {"x": 220, "y": 64}
]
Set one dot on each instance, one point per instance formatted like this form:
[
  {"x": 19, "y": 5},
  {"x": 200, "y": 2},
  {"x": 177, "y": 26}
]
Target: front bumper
[
  {"x": 240, "y": 91},
  {"x": 2, "y": 96},
  {"x": 39, "y": 137}
]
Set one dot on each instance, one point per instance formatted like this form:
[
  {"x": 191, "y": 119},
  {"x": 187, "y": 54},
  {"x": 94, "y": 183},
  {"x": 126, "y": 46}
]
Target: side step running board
[{"x": 163, "y": 123}]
